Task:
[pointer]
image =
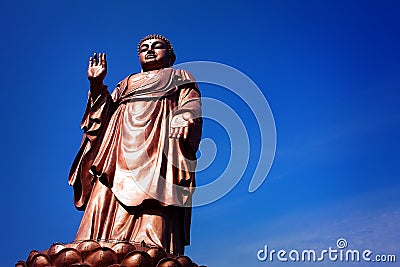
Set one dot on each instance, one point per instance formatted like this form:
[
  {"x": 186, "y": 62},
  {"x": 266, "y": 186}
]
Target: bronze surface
[{"x": 137, "y": 142}]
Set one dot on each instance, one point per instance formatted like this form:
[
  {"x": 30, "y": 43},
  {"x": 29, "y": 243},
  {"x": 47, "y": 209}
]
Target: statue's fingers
[
  {"x": 172, "y": 132},
  {"x": 100, "y": 58},
  {"x": 90, "y": 61},
  {"x": 181, "y": 131},
  {"x": 176, "y": 132},
  {"x": 188, "y": 117},
  {"x": 103, "y": 60},
  {"x": 185, "y": 132},
  {"x": 95, "y": 59}
]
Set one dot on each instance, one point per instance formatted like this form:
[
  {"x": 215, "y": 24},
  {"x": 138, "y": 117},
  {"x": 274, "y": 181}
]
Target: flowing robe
[{"x": 133, "y": 181}]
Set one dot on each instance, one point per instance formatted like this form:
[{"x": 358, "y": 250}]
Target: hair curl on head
[{"x": 158, "y": 36}]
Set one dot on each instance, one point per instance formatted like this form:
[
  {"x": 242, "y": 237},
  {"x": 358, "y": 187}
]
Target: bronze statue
[{"x": 134, "y": 172}]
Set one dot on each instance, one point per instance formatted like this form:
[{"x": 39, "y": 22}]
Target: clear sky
[{"x": 330, "y": 71}]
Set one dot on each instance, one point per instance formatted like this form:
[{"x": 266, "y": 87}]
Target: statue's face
[{"x": 153, "y": 55}]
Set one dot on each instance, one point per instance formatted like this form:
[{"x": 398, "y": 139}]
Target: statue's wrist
[{"x": 96, "y": 87}]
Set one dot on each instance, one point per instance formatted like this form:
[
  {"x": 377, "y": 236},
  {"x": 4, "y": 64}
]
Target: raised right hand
[{"x": 97, "y": 68}]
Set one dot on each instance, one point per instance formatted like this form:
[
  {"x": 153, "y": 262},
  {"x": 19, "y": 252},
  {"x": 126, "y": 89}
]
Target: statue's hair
[{"x": 157, "y": 36}]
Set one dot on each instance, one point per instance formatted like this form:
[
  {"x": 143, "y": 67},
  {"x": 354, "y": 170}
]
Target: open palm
[
  {"x": 180, "y": 125},
  {"x": 97, "y": 68}
]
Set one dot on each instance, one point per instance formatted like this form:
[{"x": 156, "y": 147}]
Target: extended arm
[{"x": 98, "y": 111}]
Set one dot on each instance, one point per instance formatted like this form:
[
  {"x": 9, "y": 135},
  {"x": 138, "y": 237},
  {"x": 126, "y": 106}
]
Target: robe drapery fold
[{"x": 128, "y": 167}]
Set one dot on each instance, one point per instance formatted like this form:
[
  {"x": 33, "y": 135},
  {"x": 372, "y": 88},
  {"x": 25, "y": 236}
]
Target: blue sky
[{"x": 329, "y": 69}]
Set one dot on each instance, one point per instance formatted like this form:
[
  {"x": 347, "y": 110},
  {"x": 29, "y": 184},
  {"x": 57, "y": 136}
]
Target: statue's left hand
[{"x": 180, "y": 125}]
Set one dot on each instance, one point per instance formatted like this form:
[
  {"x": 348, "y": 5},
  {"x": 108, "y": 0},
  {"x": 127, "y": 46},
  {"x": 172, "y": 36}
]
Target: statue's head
[{"x": 155, "y": 52}]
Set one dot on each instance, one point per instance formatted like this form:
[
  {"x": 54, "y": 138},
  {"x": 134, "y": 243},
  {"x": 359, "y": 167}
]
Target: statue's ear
[{"x": 172, "y": 59}]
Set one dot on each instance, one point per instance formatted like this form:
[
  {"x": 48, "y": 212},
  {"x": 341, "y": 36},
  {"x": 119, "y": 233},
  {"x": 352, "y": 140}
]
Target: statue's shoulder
[
  {"x": 183, "y": 75},
  {"x": 122, "y": 86},
  {"x": 125, "y": 80}
]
